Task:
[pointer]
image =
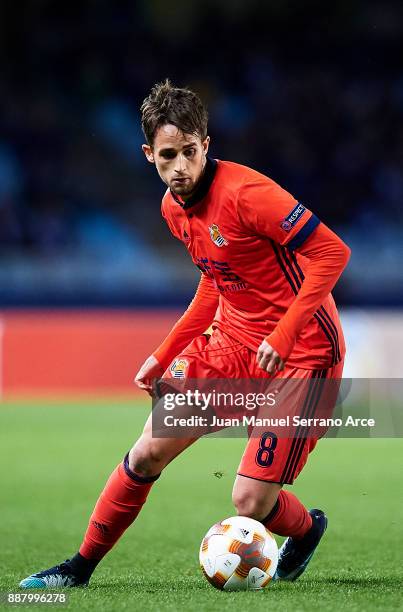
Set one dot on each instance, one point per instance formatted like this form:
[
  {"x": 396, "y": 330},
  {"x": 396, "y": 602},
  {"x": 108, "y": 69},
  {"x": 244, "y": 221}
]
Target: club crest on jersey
[
  {"x": 216, "y": 236},
  {"x": 178, "y": 368}
]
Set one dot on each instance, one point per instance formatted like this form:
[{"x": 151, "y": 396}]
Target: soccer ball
[{"x": 238, "y": 554}]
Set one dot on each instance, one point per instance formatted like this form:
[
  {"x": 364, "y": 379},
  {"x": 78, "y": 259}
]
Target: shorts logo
[
  {"x": 295, "y": 215},
  {"x": 178, "y": 368},
  {"x": 216, "y": 236}
]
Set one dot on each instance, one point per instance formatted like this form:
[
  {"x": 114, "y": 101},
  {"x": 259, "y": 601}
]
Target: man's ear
[
  {"x": 205, "y": 144},
  {"x": 148, "y": 152}
]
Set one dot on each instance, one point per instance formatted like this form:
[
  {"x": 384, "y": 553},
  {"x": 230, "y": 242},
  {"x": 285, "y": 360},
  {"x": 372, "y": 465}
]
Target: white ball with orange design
[{"x": 238, "y": 554}]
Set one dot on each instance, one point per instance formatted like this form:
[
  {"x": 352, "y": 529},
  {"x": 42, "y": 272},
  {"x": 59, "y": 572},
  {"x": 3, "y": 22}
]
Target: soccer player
[{"x": 267, "y": 268}]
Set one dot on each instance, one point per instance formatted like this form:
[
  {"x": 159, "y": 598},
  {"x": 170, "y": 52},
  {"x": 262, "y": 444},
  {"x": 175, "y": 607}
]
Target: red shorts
[{"x": 268, "y": 456}]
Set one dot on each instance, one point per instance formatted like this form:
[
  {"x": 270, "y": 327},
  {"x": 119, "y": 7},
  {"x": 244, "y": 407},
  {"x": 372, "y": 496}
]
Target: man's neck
[{"x": 202, "y": 186}]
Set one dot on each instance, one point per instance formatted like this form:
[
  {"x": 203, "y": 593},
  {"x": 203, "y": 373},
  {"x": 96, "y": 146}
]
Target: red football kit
[
  {"x": 267, "y": 268},
  {"x": 268, "y": 265}
]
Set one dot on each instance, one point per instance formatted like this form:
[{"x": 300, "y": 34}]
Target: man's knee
[
  {"x": 253, "y": 507},
  {"x": 254, "y": 503},
  {"x": 146, "y": 458}
]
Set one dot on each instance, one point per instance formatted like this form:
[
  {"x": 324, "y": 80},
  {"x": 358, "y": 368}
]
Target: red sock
[
  {"x": 288, "y": 517},
  {"x": 118, "y": 505}
]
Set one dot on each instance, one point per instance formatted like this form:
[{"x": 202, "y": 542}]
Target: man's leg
[
  {"x": 280, "y": 511},
  {"x": 127, "y": 489},
  {"x": 270, "y": 461},
  {"x": 125, "y": 492},
  {"x": 117, "y": 507}
]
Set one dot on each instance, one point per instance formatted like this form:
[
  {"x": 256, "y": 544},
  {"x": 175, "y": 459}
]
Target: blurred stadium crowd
[{"x": 311, "y": 96}]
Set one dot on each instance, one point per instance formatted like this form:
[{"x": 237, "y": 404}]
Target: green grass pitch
[{"x": 56, "y": 457}]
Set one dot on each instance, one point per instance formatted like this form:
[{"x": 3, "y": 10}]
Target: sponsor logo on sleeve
[{"x": 295, "y": 215}]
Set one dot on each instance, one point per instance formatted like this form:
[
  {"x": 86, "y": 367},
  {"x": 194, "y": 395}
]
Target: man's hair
[{"x": 169, "y": 104}]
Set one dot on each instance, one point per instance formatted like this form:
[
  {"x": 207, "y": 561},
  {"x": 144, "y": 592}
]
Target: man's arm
[
  {"x": 197, "y": 318},
  {"x": 268, "y": 210},
  {"x": 328, "y": 256}
]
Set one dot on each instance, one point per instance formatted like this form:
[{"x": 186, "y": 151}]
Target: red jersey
[{"x": 247, "y": 234}]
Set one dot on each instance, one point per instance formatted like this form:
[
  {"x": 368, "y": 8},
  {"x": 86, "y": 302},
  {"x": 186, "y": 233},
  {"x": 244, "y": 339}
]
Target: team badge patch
[
  {"x": 295, "y": 215},
  {"x": 216, "y": 236},
  {"x": 178, "y": 368}
]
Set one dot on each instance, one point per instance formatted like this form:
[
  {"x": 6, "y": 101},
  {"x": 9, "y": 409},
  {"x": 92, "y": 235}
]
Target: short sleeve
[{"x": 267, "y": 209}]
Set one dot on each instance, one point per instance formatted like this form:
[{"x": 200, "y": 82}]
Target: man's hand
[
  {"x": 268, "y": 359},
  {"x": 150, "y": 369}
]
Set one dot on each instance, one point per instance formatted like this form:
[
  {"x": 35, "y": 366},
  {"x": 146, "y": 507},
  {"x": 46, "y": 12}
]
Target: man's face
[{"x": 179, "y": 158}]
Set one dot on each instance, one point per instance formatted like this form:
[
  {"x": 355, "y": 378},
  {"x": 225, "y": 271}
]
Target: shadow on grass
[
  {"x": 359, "y": 581},
  {"x": 145, "y": 585}
]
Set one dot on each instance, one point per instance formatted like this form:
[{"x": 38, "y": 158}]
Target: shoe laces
[{"x": 63, "y": 569}]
